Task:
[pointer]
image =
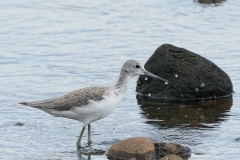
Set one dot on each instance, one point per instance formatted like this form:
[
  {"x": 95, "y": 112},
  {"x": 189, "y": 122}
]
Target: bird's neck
[{"x": 122, "y": 83}]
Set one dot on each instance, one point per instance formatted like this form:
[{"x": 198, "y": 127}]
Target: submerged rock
[
  {"x": 139, "y": 148},
  {"x": 209, "y": 1},
  {"x": 164, "y": 149},
  {"x": 19, "y": 124},
  {"x": 192, "y": 76}
]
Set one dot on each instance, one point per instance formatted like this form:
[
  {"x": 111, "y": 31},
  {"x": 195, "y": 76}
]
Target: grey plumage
[
  {"x": 46, "y": 103},
  {"x": 77, "y": 98},
  {"x": 125, "y": 73}
]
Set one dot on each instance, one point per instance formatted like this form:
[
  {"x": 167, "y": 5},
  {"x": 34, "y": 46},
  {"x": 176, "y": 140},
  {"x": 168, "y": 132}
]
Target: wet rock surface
[
  {"x": 164, "y": 149},
  {"x": 171, "y": 157},
  {"x": 139, "y": 148},
  {"x": 192, "y": 77}
]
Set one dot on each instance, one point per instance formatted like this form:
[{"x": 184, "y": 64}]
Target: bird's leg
[
  {"x": 89, "y": 134},
  {"x": 80, "y": 137}
]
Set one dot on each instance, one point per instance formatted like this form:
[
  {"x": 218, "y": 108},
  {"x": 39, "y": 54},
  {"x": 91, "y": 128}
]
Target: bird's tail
[
  {"x": 46, "y": 103},
  {"x": 23, "y": 103}
]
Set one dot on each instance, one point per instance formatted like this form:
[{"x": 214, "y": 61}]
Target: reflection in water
[
  {"x": 209, "y": 1},
  {"x": 85, "y": 153},
  {"x": 190, "y": 114}
]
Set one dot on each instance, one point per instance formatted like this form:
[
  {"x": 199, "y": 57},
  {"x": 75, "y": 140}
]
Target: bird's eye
[{"x": 137, "y": 66}]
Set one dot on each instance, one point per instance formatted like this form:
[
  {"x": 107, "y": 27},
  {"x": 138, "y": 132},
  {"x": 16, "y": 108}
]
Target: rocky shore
[{"x": 141, "y": 148}]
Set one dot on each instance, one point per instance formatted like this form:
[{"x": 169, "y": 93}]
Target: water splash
[
  {"x": 166, "y": 82},
  {"x": 196, "y": 90},
  {"x": 202, "y": 85},
  {"x": 149, "y": 94}
]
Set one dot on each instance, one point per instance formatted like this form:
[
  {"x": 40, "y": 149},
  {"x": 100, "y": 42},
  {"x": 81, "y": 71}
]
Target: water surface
[{"x": 48, "y": 48}]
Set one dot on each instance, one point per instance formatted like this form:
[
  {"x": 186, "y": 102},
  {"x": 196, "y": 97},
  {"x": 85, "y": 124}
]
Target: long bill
[{"x": 154, "y": 76}]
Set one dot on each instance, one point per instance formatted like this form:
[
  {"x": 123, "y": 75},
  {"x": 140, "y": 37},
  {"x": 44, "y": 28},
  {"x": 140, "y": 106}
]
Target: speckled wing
[{"x": 77, "y": 98}]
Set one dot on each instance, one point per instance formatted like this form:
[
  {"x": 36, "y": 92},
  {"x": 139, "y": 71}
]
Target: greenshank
[{"x": 92, "y": 103}]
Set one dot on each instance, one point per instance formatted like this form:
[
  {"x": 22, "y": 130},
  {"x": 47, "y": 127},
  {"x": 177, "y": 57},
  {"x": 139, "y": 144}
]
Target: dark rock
[
  {"x": 171, "y": 157},
  {"x": 163, "y": 149},
  {"x": 192, "y": 76},
  {"x": 139, "y": 148}
]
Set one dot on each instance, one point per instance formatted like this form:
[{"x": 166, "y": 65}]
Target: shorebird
[{"x": 92, "y": 103}]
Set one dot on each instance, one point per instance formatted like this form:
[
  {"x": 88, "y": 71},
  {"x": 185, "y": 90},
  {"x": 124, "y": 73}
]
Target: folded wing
[{"x": 77, "y": 98}]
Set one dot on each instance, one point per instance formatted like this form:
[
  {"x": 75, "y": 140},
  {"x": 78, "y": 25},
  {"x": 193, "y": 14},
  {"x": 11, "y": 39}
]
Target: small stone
[
  {"x": 139, "y": 148},
  {"x": 171, "y": 157},
  {"x": 19, "y": 124},
  {"x": 209, "y": 1},
  {"x": 163, "y": 149}
]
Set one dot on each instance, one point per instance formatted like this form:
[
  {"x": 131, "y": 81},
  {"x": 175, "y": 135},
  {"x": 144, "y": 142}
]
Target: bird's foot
[
  {"x": 89, "y": 143},
  {"x": 79, "y": 146}
]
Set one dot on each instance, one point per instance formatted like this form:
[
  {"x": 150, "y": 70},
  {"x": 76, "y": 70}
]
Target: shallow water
[{"x": 50, "y": 48}]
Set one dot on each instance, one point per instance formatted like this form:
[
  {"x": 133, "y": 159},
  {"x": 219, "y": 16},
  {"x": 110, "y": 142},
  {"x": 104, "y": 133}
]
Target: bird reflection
[{"x": 85, "y": 153}]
